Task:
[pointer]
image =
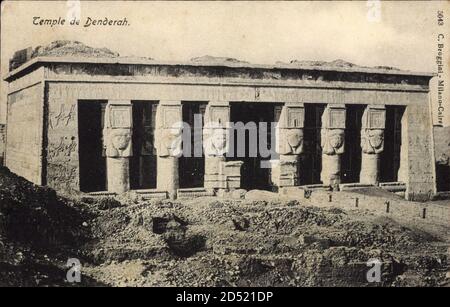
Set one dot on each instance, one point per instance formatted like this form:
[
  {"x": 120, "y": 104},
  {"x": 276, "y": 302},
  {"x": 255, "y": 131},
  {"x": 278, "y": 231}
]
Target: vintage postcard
[{"x": 225, "y": 144}]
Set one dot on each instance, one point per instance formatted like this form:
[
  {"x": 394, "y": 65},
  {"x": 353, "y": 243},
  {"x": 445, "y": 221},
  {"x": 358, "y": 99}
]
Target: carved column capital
[
  {"x": 372, "y": 131},
  {"x": 290, "y": 129},
  {"x": 372, "y": 141},
  {"x": 216, "y": 129},
  {"x": 333, "y": 129},
  {"x": 169, "y": 129},
  {"x": 117, "y": 132}
]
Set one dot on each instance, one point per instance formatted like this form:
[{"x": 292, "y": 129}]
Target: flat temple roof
[{"x": 142, "y": 61}]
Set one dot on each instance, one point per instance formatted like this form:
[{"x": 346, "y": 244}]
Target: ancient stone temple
[{"x": 100, "y": 123}]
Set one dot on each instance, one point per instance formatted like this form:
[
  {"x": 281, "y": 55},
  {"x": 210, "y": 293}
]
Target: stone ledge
[
  {"x": 443, "y": 195},
  {"x": 194, "y": 192},
  {"x": 152, "y": 194},
  {"x": 393, "y": 186},
  {"x": 354, "y": 186},
  {"x": 315, "y": 187},
  {"x": 102, "y": 194}
]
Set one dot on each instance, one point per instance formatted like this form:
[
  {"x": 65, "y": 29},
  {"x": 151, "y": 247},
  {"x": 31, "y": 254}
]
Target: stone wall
[
  {"x": 62, "y": 139},
  {"x": 394, "y": 207},
  {"x": 417, "y": 141},
  {"x": 24, "y": 133}
]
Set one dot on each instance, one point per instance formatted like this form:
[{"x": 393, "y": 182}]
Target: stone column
[
  {"x": 332, "y": 142},
  {"x": 372, "y": 142},
  {"x": 289, "y": 144},
  {"x": 168, "y": 142},
  {"x": 117, "y": 135},
  {"x": 215, "y": 143}
]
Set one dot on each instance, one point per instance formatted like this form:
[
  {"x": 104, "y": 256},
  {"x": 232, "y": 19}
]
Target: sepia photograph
[{"x": 225, "y": 151}]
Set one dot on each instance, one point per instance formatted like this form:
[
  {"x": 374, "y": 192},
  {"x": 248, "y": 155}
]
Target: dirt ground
[{"x": 205, "y": 242}]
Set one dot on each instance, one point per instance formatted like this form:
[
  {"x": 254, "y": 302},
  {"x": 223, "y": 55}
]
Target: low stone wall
[{"x": 393, "y": 207}]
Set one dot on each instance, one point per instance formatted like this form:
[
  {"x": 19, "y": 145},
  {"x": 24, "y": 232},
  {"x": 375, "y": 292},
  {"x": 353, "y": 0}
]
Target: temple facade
[{"x": 110, "y": 125}]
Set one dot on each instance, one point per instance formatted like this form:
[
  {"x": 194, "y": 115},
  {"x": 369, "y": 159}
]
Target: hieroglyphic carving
[
  {"x": 64, "y": 148},
  {"x": 336, "y": 118},
  {"x": 62, "y": 117}
]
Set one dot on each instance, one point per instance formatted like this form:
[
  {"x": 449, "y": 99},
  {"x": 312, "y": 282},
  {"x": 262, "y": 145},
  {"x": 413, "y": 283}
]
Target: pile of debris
[
  {"x": 204, "y": 242},
  {"x": 37, "y": 230},
  {"x": 217, "y": 242},
  {"x": 57, "y": 49}
]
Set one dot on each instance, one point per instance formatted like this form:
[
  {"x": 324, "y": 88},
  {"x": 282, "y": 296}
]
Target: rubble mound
[
  {"x": 225, "y": 242},
  {"x": 72, "y": 48},
  {"x": 37, "y": 215},
  {"x": 129, "y": 241},
  {"x": 67, "y": 48},
  {"x": 212, "y": 60},
  {"x": 339, "y": 63},
  {"x": 38, "y": 230}
]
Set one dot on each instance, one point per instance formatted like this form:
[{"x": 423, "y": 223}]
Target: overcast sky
[{"x": 258, "y": 32}]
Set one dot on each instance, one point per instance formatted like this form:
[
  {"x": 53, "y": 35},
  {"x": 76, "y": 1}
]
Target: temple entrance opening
[
  {"x": 192, "y": 163},
  {"x": 311, "y": 159},
  {"x": 351, "y": 159},
  {"x": 255, "y": 171},
  {"x": 143, "y": 161},
  {"x": 91, "y": 151},
  {"x": 390, "y": 157}
]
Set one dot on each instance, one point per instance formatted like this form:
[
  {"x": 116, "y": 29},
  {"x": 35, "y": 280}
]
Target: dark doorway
[
  {"x": 192, "y": 167},
  {"x": 143, "y": 161},
  {"x": 91, "y": 153},
  {"x": 253, "y": 175},
  {"x": 442, "y": 176},
  {"x": 351, "y": 159},
  {"x": 311, "y": 159},
  {"x": 390, "y": 157}
]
